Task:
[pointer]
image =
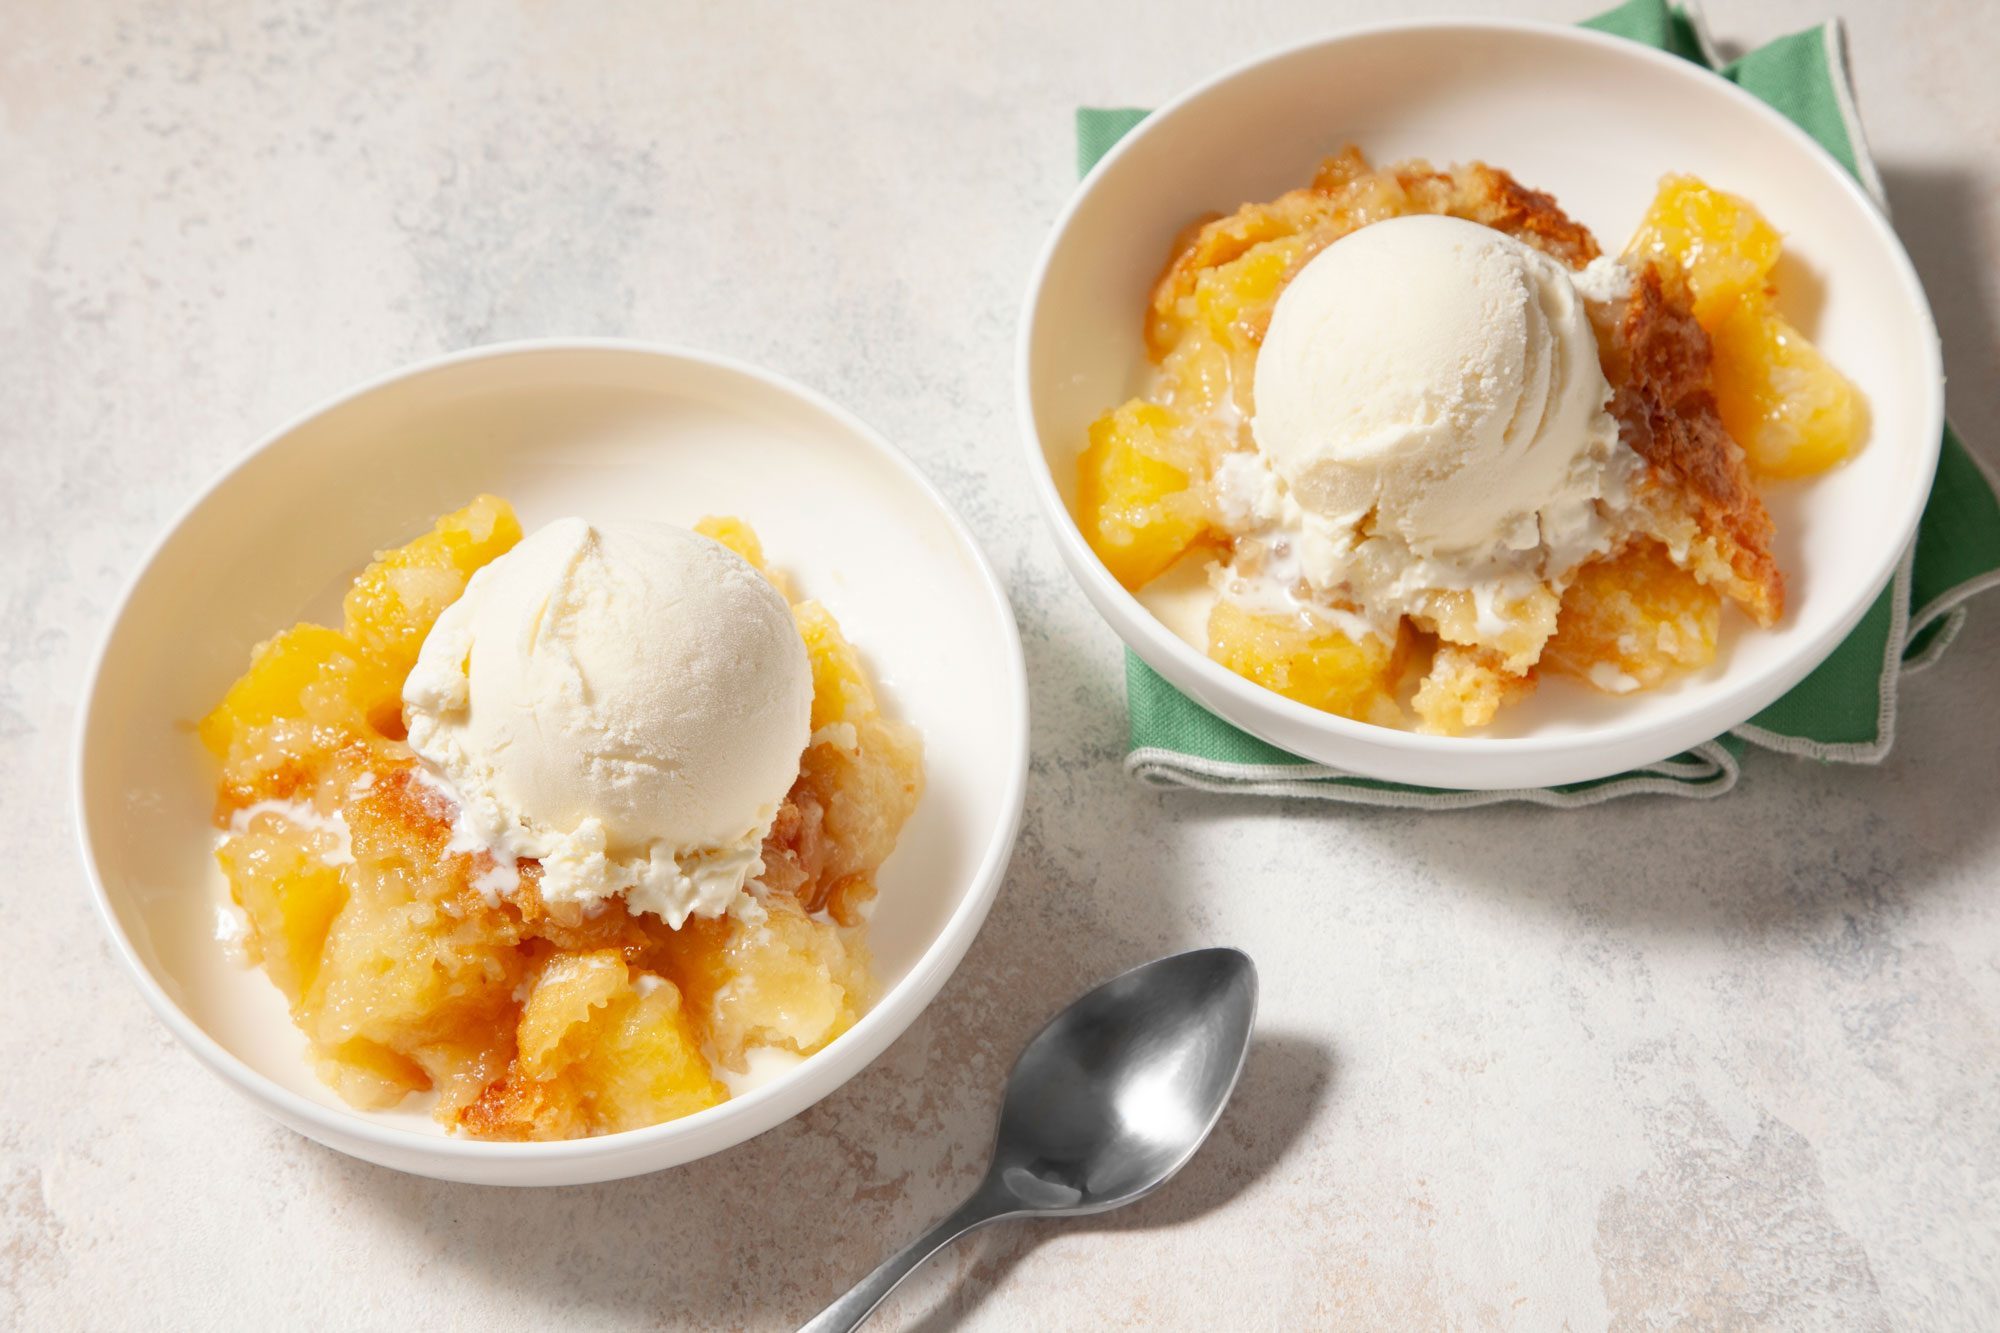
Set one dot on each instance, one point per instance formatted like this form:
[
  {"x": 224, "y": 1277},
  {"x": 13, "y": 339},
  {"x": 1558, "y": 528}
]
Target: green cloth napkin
[{"x": 1845, "y": 710}]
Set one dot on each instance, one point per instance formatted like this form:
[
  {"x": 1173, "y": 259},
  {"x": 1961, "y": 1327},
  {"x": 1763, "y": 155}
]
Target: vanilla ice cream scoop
[
  {"x": 625, "y": 703},
  {"x": 1440, "y": 374}
]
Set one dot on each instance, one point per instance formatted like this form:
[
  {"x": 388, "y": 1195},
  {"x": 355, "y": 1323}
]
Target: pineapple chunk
[
  {"x": 1230, "y": 308},
  {"x": 1234, "y": 300},
  {"x": 291, "y": 897},
  {"x": 397, "y": 599},
  {"x": 311, "y": 689},
  {"x": 643, "y": 1063},
  {"x": 1792, "y": 412},
  {"x": 741, "y": 538},
  {"x": 867, "y": 782},
  {"x": 792, "y": 981},
  {"x": 600, "y": 1049},
  {"x": 307, "y": 671},
  {"x": 368, "y": 1074},
  {"x": 1137, "y": 500},
  {"x": 569, "y": 987},
  {"x": 1721, "y": 241},
  {"x": 841, "y": 692},
  {"x": 352, "y": 681},
  {"x": 1628, "y": 621},
  {"x": 1317, "y": 665},
  {"x": 1173, "y": 311},
  {"x": 734, "y": 533},
  {"x": 1134, "y": 494},
  {"x": 1781, "y": 399}
]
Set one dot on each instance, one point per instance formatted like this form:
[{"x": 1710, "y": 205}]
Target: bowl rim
[
  {"x": 1146, "y": 634},
  {"x": 884, "y": 1021}
]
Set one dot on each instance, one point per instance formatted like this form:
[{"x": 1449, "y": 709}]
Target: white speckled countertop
[{"x": 1723, "y": 1064}]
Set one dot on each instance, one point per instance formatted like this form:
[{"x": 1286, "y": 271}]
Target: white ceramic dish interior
[
  {"x": 1596, "y": 121},
  {"x": 601, "y": 429}
]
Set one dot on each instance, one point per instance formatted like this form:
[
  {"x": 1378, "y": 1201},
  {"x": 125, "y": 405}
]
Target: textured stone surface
[{"x": 1731, "y": 1064}]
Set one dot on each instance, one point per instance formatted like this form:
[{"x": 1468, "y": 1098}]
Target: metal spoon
[{"x": 1105, "y": 1104}]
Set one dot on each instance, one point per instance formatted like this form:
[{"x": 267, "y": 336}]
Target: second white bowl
[{"x": 1597, "y": 121}]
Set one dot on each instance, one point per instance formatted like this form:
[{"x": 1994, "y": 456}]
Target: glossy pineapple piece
[
  {"x": 368, "y": 1074},
  {"x": 1138, "y": 498},
  {"x": 841, "y": 690},
  {"x": 396, "y": 600},
  {"x": 621, "y": 1039},
  {"x": 1314, "y": 663},
  {"x": 279, "y": 877},
  {"x": 1781, "y": 399},
  {"x": 1135, "y": 496},
  {"x": 1719, "y": 240},
  {"x": 859, "y": 781},
  {"x": 1234, "y": 301},
  {"x": 403, "y": 973},
  {"x": 739, "y": 537},
  {"x": 1217, "y": 328},
  {"x": 555, "y": 1019},
  {"x": 311, "y": 689},
  {"x": 1784, "y": 402},
  {"x": 310, "y": 673},
  {"x": 644, "y": 1062}
]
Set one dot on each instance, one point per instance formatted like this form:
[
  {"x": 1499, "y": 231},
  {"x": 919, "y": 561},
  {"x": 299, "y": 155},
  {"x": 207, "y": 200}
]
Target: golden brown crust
[
  {"x": 1660, "y": 365},
  {"x": 516, "y": 1108},
  {"x": 1491, "y": 196}
]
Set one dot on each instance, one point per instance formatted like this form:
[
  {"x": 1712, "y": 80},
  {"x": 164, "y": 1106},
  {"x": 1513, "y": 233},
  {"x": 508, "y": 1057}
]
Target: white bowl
[
  {"x": 609, "y": 430},
  {"x": 1595, "y": 120}
]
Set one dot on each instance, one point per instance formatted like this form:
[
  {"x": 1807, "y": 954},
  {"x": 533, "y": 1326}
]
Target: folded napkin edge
[{"x": 1714, "y": 772}]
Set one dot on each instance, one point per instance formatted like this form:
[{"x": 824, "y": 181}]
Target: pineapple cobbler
[
  {"x": 1410, "y": 441},
  {"x": 573, "y": 830}
]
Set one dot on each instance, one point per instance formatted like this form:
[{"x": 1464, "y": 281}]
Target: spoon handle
[{"x": 850, "y": 1310}]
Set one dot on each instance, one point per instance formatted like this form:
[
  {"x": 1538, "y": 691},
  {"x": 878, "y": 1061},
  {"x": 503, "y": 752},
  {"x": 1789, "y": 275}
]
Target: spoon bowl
[
  {"x": 1119, "y": 1090},
  {"x": 1103, "y": 1107}
]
